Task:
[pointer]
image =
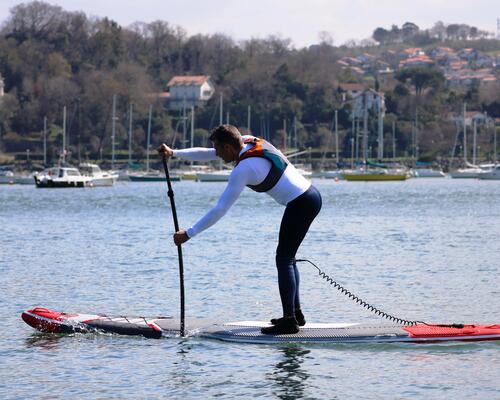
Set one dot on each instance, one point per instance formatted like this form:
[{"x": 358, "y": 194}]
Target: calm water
[{"x": 421, "y": 249}]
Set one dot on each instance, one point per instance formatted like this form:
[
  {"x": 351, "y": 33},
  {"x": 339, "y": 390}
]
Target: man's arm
[{"x": 192, "y": 154}]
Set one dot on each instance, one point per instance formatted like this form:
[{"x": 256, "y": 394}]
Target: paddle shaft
[{"x": 179, "y": 248}]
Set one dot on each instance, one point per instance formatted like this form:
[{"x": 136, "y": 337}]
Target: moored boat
[
  {"x": 7, "y": 177},
  {"x": 151, "y": 176},
  {"x": 61, "y": 177},
  {"x": 490, "y": 174},
  {"x": 329, "y": 174},
  {"x": 213, "y": 176},
  {"x": 465, "y": 173},
  {"x": 98, "y": 176},
  {"x": 427, "y": 173},
  {"x": 375, "y": 175}
]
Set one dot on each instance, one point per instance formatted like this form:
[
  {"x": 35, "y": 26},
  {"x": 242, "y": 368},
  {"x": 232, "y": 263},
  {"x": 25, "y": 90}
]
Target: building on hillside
[
  {"x": 418, "y": 61},
  {"x": 411, "y": 52},
  {"x": 188, "y": 91},
  {"x": 471, "y": 117},
  {"x": 466, "y": 77},
  {"x": 456, "y": 65},
  {"x": 349, "y": 91},
  {"x": 391, "y": 57},
  {"x": 442, "y": 52},
  {"x": 443, "y": 56},
  {"x": 476, "y": 58},
  {"x": 385, "y": 75},
  {"x": 369, "y": 99}
]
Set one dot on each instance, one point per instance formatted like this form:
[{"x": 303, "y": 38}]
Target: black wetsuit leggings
[{"x": 298, "y": 216}]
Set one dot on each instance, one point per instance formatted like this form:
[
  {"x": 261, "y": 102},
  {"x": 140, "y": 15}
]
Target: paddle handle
[{"x": 179, "y": 248}]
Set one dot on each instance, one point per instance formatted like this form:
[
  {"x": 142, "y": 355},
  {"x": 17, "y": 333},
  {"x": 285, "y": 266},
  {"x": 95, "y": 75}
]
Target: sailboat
[
  {"x": 381, "y": 172},
  {"x": 471, "y": 171},
  {"x": 150, "y": 175},
  {"x": 492, "y": 173}
]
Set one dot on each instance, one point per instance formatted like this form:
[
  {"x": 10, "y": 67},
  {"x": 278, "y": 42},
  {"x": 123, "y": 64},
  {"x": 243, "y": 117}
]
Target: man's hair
[{"x": 227, "y": 134}]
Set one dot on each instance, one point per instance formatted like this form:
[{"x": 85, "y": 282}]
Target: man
[{"x": 263, "y": 168}]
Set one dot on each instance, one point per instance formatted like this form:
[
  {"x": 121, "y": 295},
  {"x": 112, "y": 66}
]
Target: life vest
[{"x": 264, "y": 149}]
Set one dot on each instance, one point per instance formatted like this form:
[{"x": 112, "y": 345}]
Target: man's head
[{"x": 227, "y": 142}]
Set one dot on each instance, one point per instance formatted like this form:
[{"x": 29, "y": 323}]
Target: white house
[
  {"x": 189, "y": 91},
  {"x": 471, "y": 117},
  {"x": 370, "y": 99}
]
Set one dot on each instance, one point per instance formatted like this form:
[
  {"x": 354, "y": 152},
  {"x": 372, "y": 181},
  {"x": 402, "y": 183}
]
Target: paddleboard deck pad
[{"x": 49, "y": 321}]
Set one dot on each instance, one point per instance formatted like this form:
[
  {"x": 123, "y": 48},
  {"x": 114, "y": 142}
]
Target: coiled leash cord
[{"x": 366, "y": 305}]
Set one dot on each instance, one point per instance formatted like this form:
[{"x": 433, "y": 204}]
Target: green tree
[
  {"x": 381, "y": 35},
  {"x": 420, "y": 78}
]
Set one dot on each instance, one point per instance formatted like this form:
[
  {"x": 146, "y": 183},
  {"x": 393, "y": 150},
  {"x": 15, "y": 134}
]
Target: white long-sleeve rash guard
[{"x": 250, "y": 171}]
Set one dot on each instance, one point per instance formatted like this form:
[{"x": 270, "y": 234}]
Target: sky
[{"x": 302, "y": 21}]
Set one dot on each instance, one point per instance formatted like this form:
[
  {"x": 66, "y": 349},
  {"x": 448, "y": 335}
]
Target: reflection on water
[
  {"x": 288, "y": 375},
  {"x": 44, "y": 341}
]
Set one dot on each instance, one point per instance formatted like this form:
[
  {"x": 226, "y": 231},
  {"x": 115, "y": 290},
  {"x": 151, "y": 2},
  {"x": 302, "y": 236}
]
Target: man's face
[{"x": 224, "y": 151}]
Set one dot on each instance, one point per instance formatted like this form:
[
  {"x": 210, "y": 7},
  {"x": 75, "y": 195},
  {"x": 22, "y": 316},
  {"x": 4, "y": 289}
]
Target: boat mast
[
  {"x": 494, "y": 141},
  {"x": 64, "y": 136},
  {"x": 249, "y": 116},
  {"x": 352, "y": 152},
  {"x": 336, "y": 136},
  {"x": 365, "y": 127},
  {"x": 221, "y": 109},
  {"x": 113, "y": 131},
  {"x": 130, "y": 134},
  {"x": 295, "y": 132},
  {"x": 357, "y": 136},
  {"x": 149, "y": 136},
  {"x": 45, "y": 140},
  {"x": 353, "y": 134},
  {"x": 285, "y": 136},
  {"x": 380, "y": 147},
  {"x": 394, "y": 139},
  {"x": 192, "y": 126},
  {"x": 465, "y": 134},
  {"x": 474, "y": 141},
  {"x": 184, "y": 127}
]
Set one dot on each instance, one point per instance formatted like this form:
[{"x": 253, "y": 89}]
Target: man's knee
[{"x": 284, "y": 261}]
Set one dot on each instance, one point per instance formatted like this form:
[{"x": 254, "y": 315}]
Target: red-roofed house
[
  {"x": 189, "y": 91},
  {"x": 350, "y": 90},
  {"x": 419, "y": 61},
  {"x": 411, "y": 52}
]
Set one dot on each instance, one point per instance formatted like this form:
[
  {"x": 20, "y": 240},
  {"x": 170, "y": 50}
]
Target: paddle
[{"x": 179, "y": 249}]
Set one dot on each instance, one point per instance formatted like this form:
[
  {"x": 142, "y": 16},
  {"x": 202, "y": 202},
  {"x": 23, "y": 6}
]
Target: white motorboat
[
  {"x": 465, "y": 173},
  {"x": 471, "y": 171},
  {"x": 305, "y": 173},
  {"x": 7, "y": 177},
  {"x": 98, "y": 176},
  {"x": 427, "y": 173},
  {"x": 11, "y": 178},
  {"x": 490, "y": 174},
  {"x": 189, "y": 172},
  {"x": 24, "y": 179},
  {"x": 213, "y": 176},
  {"x": 61, "y": 177},
  {"x": 332, "y": 174},
  {"x": 151, "y": 176}
]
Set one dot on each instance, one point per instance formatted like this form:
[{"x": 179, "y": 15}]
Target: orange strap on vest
[{"x": 264, "y": 149}]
